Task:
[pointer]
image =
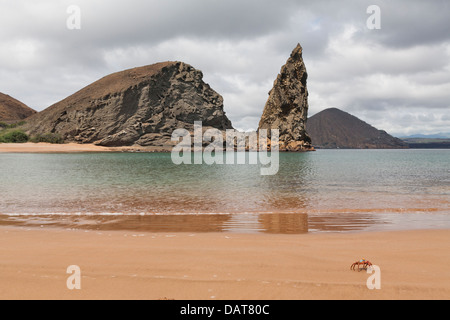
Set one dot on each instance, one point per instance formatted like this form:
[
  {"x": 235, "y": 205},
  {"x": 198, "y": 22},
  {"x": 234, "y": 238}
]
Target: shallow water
[{"x": 327, "y": 190}]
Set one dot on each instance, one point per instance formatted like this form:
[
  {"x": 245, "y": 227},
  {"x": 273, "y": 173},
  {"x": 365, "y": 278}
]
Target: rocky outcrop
[
  {"x": 287, "y": 106},
  {"x": 140, "y": 106},
  {"x": 336, "y": 129},
  {"x": 12, "y": 110}
]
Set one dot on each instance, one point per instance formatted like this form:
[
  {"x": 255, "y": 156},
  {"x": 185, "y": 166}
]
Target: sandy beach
[
  {"x": 70, "y": 148},
  {"x": 221, "y": 266}
]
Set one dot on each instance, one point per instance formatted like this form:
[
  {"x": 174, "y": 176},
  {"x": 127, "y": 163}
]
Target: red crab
[{"x": 361, "y": 263}]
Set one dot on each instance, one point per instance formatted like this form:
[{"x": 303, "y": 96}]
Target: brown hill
[
  {"x": 334, "y": 128},
  {"x": 140, "y": 106},
  {"x": 12, "y": 110}
]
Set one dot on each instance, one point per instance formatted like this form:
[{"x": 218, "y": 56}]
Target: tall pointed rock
[{"x": 287, "y": 106}]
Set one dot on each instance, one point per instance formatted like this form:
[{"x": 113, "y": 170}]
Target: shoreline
[
  {"x": 222, "y": 266},
  {"x": 42, "y": 147},
  {"x": 30, "y": 147}
]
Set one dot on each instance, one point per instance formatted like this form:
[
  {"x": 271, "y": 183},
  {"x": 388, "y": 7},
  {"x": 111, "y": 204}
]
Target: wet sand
[{"x": 204, "y": 266}]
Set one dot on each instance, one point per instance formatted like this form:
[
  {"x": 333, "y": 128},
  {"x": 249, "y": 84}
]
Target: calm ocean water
[{"x": 327, "y": 190}]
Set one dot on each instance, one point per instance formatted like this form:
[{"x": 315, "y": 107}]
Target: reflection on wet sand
[
  {"x": 284, "y": 223},
  {"x": 273, "y": 223},
  {"x": 277, "y": 223},
  {"x": 344, "y": 222},
  {"x": 150, "y": 223},
  {"x": 239, "y": 223}
]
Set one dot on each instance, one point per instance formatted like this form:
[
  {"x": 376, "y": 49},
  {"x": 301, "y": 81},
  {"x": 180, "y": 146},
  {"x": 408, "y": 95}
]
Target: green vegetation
[
  {"x": 10, "y": 134},
  {"x": 15, "y": 136},
  {"x": 48, "y": 137},
  {"x": 5, "y": 126}
]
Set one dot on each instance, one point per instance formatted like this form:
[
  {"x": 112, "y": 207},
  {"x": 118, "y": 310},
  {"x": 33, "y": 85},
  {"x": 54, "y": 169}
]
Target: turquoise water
[{"x": 334, "y": 189}]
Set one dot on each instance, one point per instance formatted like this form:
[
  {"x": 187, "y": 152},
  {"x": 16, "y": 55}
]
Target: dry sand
[
  {"x": 222, "y": 266},
  {"x": 71, "y": 148}
]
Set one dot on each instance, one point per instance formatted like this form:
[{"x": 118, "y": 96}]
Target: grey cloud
[
  {"x": 381, "y": 75},
  {"x": 135, "y": 22},
  {"x": 415, "y": 23}
]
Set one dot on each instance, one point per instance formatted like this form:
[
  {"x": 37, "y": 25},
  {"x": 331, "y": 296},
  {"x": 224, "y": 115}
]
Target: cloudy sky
[{"x": 396, "y": 78}]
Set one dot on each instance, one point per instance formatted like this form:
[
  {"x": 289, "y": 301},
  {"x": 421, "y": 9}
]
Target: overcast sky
[{"x": 396, "y": 78}]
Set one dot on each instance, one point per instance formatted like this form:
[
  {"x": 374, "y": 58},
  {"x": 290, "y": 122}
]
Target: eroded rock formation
[
  {"x": 140, "y": 106},
  {"x": 287, "y": 106}
]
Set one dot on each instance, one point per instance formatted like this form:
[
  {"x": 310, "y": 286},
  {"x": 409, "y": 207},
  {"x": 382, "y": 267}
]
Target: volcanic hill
[
  {"x": 336, "y": 129},
  {"x": 12, "y": 110},
  {"x": 140, "y": 106}
]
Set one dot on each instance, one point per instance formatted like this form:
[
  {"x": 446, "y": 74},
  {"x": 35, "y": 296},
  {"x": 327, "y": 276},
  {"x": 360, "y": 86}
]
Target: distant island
[
  {"x": 336, "y": 129},
  {"x": 427, "y": 143}
]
